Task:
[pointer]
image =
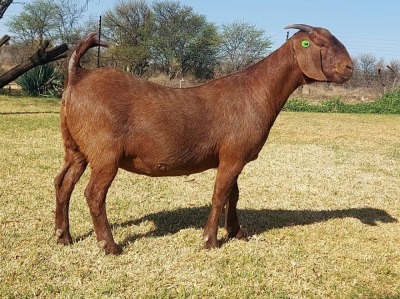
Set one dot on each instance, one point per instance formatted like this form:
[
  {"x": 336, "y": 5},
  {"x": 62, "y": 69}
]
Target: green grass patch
[
  {"x": 321, "y": 204},
  {"x": 387, "y": 104}
]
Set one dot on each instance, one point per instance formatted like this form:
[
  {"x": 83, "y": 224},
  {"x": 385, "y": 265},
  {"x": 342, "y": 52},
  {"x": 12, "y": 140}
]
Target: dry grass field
[{"x": 321, "y": 204}]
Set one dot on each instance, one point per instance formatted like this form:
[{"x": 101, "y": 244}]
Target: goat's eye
[{"x": 305, "y": 43}]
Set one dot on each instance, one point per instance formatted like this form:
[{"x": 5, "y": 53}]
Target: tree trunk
[
  {"x": 42, "y": 56},
  {"x": 4, "y": 4}
]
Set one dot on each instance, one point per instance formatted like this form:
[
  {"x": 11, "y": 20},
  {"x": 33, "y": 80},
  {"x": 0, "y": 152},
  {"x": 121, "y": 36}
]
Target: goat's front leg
[{"x": 224, "y": 184}]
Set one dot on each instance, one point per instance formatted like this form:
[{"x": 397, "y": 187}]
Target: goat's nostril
[
  {"x": 348, "y": 68},
  {"x": 350, "y": 65}
]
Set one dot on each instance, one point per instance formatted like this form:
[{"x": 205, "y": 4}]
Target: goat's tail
[{"x": 90, "y": 41}]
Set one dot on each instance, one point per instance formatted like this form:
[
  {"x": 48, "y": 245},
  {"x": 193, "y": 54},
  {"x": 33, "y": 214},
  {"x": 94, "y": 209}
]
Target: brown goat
[{"x": 111, "y": 120}]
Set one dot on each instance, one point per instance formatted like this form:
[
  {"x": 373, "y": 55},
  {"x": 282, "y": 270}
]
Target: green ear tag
[{"x": 305, "y": 43}]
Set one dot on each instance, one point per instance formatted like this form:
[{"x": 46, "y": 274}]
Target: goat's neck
[{"x": 278, "y": 75}]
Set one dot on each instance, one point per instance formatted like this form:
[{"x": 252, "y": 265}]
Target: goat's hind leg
[
  {"x": 231, "y": 219},
  {"x": 64, "y": 183},
  {"x": 95, "y": 193}
]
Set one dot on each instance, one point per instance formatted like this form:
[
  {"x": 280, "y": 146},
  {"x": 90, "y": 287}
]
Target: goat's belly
[{"x": 165, "y": 168}]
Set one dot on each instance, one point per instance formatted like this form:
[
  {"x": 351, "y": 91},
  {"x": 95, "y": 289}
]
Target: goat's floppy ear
[{"x": 308, "y": 57}]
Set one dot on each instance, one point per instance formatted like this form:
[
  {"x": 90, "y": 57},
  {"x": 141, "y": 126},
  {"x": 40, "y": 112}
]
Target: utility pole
[{"x": 98, "y": 49}]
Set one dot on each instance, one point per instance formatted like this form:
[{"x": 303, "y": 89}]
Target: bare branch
[{"x": 391, "y": 69}]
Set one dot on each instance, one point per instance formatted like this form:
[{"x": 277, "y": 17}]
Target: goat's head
[{"x": 320, "y": 55}]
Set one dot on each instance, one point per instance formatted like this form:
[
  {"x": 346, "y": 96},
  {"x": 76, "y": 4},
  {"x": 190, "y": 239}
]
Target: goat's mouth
[
  {"x": 344, "y": 73},
  {"x": 343, "y": 77}
]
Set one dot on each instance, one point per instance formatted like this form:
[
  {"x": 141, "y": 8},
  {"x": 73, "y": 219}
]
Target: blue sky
[{"x": 364, "y": 26}]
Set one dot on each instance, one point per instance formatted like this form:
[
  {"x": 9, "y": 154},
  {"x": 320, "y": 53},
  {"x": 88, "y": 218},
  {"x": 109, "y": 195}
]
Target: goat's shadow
[{"x": 258, "y": 221}]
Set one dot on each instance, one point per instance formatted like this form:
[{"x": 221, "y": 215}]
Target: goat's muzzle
[{"x": 344, "y": 70}]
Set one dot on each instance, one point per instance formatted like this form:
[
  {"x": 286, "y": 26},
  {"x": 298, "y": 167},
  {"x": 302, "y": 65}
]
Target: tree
[
  {"x": 394, "y": 73},
  {"x": 179, "y": 35},
  {"x": 241, "y": 45},
  {"x": 57, "y": 21},
  {"x": 394, "y": 67},
  {"x": 4, "y": 4},
  {"x": 67, "y": 21},
  {"x": 129, "y": 25},
  {"x": 367, "y": 64},
  {"x": 204, "y": 53},
  {"x": 35, "y": 23},
  {"x": 42, "y": 56}
]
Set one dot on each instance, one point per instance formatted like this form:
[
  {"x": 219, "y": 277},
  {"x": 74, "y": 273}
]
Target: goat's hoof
[
  {"x": 59, "y": 233},
  {"x": 110, "y": 248},
  {"x": 114, "y": 250},
  {"x": 210, "y": 243},
  {"x": 63, "y": 238},
  {"x": 239, "y": 234}
]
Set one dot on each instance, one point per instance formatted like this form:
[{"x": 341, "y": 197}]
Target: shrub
[
  {"x": 297, "y": 105},
  {"x": 333, "y": 105},
  {"x": 387, "y": 104},
  {"x": 40, "y": 80}
]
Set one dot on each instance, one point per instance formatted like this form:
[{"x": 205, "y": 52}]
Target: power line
[{"x": 388, "y": 48}]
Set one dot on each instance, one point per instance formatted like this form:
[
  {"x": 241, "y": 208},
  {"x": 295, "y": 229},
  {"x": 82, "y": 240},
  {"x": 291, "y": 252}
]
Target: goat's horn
[{"x": 302, "y": 27}]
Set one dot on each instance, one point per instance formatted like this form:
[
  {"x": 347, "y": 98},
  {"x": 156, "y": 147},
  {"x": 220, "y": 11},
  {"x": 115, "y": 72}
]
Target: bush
[
  {"x": 297, "y": 105},
  {"x": 387, "y": 104},
  {"x": 40, "y": 80},
  {"x": 333, "y": 105}
]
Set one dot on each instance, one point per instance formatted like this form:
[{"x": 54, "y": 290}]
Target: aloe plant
[{"x": 40, "y": 80}]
